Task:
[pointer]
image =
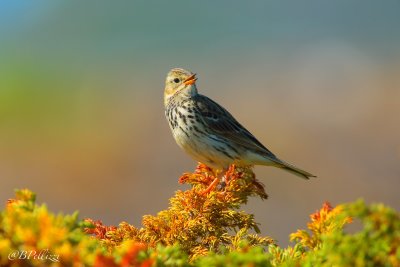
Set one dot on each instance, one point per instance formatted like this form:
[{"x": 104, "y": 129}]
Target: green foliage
[
  {"x": 203, "y": 226},
  {"x": 254, "y": 256},
  {"x": 329, "y": 244},
  {"x": 27, "y": 227},
  {"x": 377, "y": 244}
]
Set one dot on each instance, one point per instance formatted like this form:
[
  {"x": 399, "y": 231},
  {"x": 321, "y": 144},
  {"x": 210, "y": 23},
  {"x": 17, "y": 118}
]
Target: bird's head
[{"x": 179, "y": 81}]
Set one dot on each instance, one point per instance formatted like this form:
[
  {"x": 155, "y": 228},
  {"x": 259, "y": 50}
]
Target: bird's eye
[{"x": 176, "y": 80}]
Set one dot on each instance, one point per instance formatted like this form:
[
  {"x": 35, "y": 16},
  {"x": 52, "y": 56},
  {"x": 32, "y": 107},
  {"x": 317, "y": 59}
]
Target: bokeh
[{"x": 81, "y": 100}]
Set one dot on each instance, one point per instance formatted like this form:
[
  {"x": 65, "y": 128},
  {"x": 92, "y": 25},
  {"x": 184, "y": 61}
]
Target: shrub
[{"x": 203, "y": 226}]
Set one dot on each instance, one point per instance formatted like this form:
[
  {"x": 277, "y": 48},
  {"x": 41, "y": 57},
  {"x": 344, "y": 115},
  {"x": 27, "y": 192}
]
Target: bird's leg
[
  {"x": 219, "y": 176},
  {"x": 223, "y": 179},
  {"x": 210, "y": 187}
]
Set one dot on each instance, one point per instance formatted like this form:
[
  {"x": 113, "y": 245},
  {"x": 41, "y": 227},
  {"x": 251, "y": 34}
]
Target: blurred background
[{"x": 81, "y": 100}]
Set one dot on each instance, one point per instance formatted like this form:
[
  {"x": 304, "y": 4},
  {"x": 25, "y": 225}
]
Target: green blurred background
[{"x": 81, "y": 100}]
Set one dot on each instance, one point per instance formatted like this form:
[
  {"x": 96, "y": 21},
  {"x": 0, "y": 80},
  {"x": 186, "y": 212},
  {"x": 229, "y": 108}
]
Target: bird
[{"x": 209, "y": 133}]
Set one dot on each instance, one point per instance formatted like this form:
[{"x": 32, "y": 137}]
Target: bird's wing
[{"x": 224, "y": 125}]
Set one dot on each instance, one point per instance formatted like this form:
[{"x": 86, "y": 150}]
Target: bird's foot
[
  {"x": 220, "y": 182},
  {"x": 223, "y": 183},
  {"x": 213, "y": 184}
]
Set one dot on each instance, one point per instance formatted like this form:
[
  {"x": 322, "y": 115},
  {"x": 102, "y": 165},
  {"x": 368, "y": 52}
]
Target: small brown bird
[{"x": 208, "y": 132}]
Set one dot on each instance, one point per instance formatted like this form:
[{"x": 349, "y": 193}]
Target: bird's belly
[
  {"x": 204, "y": 148},
  {"x": 191, "y": 135}
]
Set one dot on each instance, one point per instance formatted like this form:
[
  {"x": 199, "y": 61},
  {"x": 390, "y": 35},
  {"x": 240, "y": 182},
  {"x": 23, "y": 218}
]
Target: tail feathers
[{"x": 293, "y": 169}]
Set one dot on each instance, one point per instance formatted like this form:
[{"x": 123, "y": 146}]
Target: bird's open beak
[{"x": 191, "y": 80}]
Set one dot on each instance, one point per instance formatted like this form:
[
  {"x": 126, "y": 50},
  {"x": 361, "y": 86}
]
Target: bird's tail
[{"x": 292, "y": 169}]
